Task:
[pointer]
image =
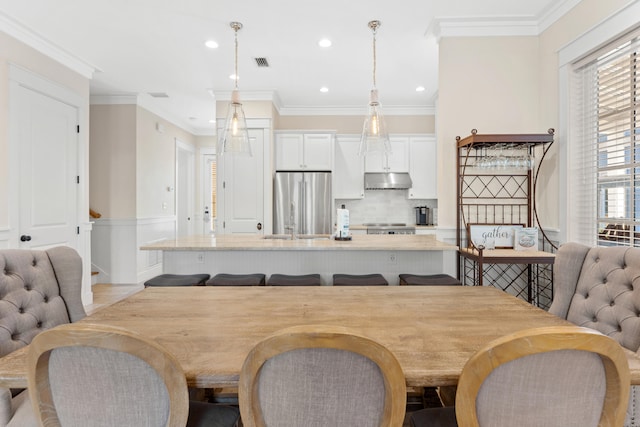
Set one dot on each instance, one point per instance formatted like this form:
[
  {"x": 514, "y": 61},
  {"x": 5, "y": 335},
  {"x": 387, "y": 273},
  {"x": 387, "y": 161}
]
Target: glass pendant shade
[
  {"x": 235, "y": 136},
  {"x": 375, "y": 138},
  {"x": 374, "y": 132}
]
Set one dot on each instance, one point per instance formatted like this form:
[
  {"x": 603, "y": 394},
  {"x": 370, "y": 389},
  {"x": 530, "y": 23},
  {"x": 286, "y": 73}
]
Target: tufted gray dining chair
[
  {"x": 38, "y": 290},
  {"x": 599, "y": 288},
  {"x": 318, "y": 376}
]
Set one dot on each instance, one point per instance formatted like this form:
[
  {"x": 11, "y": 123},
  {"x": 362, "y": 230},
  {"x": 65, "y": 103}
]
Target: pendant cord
[
  {"x": 374, "y": 58},
  {"x": 236, "y": 59}
]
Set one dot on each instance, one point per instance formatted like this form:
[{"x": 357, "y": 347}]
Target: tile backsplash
[{"x": 386, "y": 206}]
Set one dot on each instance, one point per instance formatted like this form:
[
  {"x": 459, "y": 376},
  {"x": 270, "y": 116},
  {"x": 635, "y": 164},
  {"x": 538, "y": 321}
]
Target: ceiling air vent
[
  {"x": 262, "y": 62},
  {"x": 158, "y": 94}
]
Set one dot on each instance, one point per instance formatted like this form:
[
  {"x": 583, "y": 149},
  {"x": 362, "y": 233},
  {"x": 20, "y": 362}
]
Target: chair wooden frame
[
  {"x": 541, "y": 340},
  {"x": 321, "y": 336},
  {"x": 105, "y": 337}
]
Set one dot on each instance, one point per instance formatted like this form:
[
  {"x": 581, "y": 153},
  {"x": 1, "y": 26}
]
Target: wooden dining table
[{"x": 432, "y": 330}]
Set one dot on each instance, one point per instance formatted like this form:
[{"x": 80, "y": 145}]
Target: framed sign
[{"x": 492, "y": 236}]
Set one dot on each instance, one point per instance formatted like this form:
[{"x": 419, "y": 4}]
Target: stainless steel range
[{"x": 389, "y": 228}]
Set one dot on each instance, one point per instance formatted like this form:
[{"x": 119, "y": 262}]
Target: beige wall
[
  {"x": 112, "y": 163},
  {"x": 15, "y": 52},
  {"x": 155, "y": 171},
  {"x": 487, "y": 83},
  {"x": 507, "y": 85},
  {"x": 252, "y": 109},
  {"x": 132, "y": 162},
  {"x": 353, "y": 124}
]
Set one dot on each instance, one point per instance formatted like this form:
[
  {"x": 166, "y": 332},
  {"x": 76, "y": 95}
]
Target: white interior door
[
  {"x": 185, "y": 174},
  {"x": 243, "y": 189},
  {"x": 209, "y": 205},
  {"x": 47, "y": 134}
]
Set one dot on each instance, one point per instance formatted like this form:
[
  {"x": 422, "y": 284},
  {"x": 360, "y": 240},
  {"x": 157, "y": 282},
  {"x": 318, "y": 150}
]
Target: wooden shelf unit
[{"x": 493, "y": 189}]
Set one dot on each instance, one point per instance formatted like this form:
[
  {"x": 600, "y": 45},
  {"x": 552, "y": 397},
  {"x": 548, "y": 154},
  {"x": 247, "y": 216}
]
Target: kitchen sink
[
  {"x": 299, "y": 236},
  {"x": 314, "y": 236}
]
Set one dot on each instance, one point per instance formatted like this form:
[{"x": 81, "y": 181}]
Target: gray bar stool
[
  {"x": 359, "y": 280},
  {"x": 428, "y": 280},
  {"x": 289, "y": 280},
  {"x": 178, "y": 280},
  {"x": 224, "y": 279}
]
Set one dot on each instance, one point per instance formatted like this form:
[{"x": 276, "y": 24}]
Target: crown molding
[
  {"x": 390, "y": 110},
  {"x": 148, "y": 103},
  {"x": 250, "y": 95},
  {"x": 21, "y": 33},
  {"x": 483, "y": 27},
  {"x": 555, "y": 11},
  {"x": 124, "y": 99},
  {"x": 499, "y": 26}
]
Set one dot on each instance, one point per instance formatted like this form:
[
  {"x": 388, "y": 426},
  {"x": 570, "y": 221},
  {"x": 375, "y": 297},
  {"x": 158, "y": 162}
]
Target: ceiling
[{"x": 138, "y": 47}]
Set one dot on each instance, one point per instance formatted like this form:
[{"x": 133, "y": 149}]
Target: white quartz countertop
[{"x": 364, "y": 242}]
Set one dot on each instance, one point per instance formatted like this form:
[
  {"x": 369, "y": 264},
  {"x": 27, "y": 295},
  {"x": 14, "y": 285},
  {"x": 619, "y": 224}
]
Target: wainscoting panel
[{"x": 115, "y": 249}]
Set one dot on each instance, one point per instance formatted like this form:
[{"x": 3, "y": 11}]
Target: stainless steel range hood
[{"x": 387, "y": 181}]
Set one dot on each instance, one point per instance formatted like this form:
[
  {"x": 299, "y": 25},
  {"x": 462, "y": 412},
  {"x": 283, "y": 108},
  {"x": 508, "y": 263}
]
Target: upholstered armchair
[
  {"x": 599, "y": 288},
  {"x": 38, "y": 290}
]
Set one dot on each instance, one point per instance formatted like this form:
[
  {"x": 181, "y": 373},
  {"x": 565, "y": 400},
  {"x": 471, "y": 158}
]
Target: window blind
[{"x": 605, "y": 147}]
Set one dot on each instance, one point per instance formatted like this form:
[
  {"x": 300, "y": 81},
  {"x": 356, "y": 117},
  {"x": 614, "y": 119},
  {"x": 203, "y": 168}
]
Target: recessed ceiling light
[
  {"x": 420, "y": 89},
  {"x": 324, "y": 43},
  {"x": 211, "y": 44},
  {"x": 324, "y": 89}
]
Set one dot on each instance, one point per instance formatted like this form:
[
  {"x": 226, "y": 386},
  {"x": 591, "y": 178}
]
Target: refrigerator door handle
[
  {"x": 300, "y": 218},
  {"x": 303, "y": 210}
]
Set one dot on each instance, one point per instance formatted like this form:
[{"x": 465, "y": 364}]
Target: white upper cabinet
[
  {"x": 423, "y": 167},
  {"x": 397, "y": 161},
  {"x": 348, "y": 174},
  {"x": 304, "y": 151}
]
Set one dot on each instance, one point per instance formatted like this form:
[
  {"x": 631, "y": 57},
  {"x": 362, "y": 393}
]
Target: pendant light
[
  {"x": 374, "y": 132},
  {"x": 235, "y": 136}
]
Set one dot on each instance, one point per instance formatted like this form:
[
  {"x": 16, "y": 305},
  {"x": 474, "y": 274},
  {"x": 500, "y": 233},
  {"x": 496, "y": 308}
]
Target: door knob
[
  {"x": 25, "y": 238},
  {"x": 259, "y": 226}
]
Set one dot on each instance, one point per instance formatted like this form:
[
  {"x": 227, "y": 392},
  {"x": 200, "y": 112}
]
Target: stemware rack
[{"x": 497, "y": 180}]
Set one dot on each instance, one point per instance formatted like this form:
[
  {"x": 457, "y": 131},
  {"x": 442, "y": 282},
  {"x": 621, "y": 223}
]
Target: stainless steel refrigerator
[{"x": 302, "y": 200}]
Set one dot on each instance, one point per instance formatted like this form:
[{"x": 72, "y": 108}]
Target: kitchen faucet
[{"x": 292, "y": 224}]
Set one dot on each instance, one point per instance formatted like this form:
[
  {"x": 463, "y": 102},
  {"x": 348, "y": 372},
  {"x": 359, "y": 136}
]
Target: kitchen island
[{"x": 388, "y": 255}]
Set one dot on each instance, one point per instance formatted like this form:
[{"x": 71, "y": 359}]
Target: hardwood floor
[{"x": 106, "y": 293}]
